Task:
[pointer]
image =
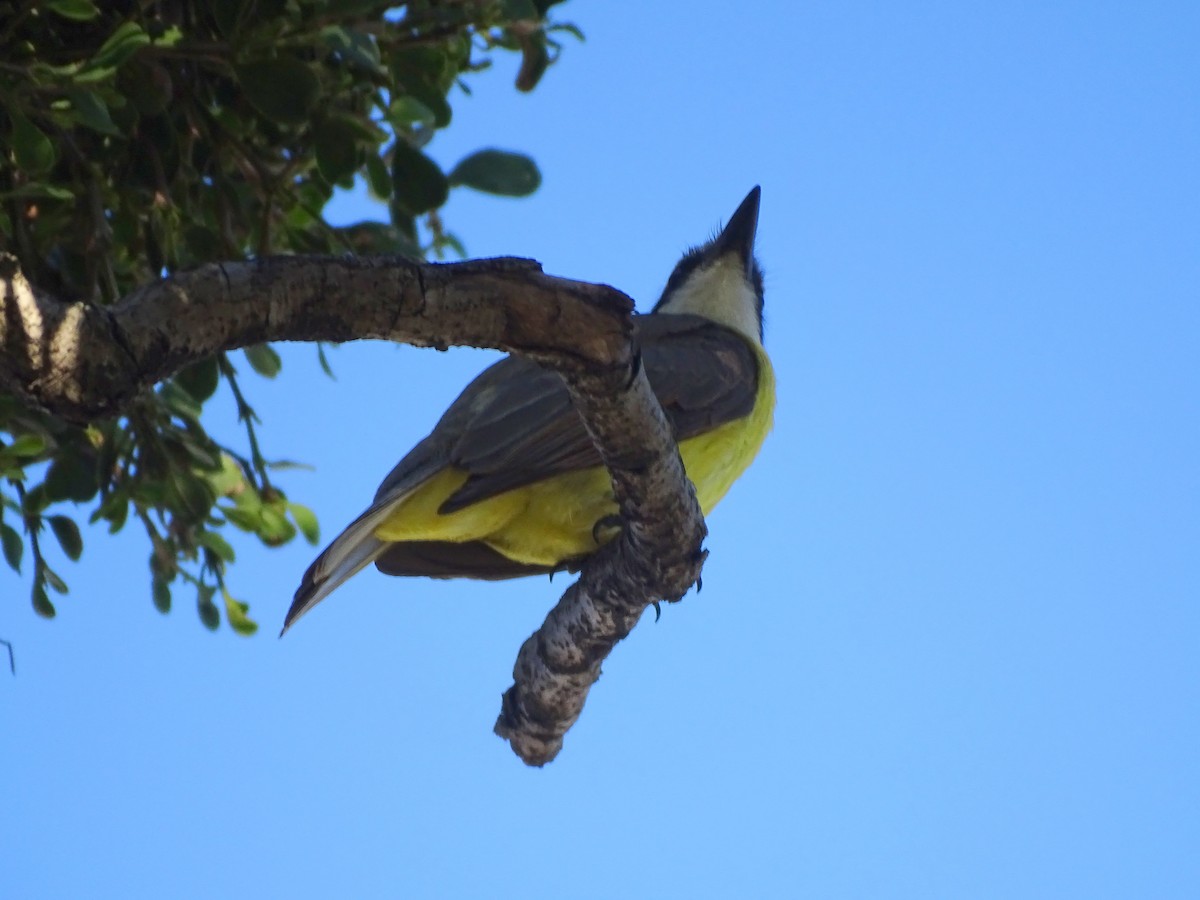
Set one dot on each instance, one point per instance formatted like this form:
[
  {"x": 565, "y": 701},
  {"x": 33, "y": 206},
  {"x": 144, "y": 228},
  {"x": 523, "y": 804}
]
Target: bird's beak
[{"x": 738, "y": 236}]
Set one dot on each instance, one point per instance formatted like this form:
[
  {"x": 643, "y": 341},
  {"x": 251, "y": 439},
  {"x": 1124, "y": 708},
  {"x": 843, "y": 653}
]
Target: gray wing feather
[
  {"x": 515, "y": 425},
  {"x": 703, "y": 375}
]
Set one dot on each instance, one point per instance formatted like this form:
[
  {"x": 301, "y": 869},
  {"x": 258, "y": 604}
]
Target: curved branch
[
  {"x": 81, "y": 361},
  {"x": 657, "y": 556}
]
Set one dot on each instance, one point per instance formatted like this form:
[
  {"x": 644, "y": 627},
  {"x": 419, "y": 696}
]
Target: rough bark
[{"x": 81, "y": 361}]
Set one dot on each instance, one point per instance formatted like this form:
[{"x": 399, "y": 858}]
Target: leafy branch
[{"x": 138, "y": 140}]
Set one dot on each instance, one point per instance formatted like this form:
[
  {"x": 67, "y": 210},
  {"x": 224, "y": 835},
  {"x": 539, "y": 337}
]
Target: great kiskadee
[{"x": 508, "y": 483}]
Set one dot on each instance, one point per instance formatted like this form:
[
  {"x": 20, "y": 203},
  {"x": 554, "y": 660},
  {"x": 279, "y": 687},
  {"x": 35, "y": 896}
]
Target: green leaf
[
  {"x": 535, "y": 59},
  {"x": 289, "y": 465},
  {"x": 77, "y": 10},
  {"x": 169, "y": 37},
  {"x": 72, "y": 477},
  {"x": 68, "y": 535},
  {"x": 216, "y": 544},
  {"x": 53, "y": 580},
  {"x": 161, "y": 592},
  {"x": 35, "y": 500},
  {"x": 92, "y": 111},
  {"x": 162, "y": 559},
  {"x": 200, "y": 379},
  {"x": 274, "y": 529},
  {"x": 306, "y": 520},
  {"x": 34, "y": 151},
  {"x": 283, "y": 89},
  {"x": 42, "y": 71},
  {"x": 89, "y": 74},
  {"x": 406, "y": 111},
  {"x": 263, "y": 359},
  {"x": 114, "y": 509},
  {"x": 379, "y": 180},
  {"x": 245, "y": 519},
  {"x": 26, "y": 445},
  {"x": 435, "y": 101},
  {"x": 229, "y": 479},
  {"x": 38, "y": 189},
  {"x": 426, "y": 73},
  {"x": 235, "y": 611},
  {"x": 418, "y": 182},
  {"x": 41, "y": 602},
  {"x": 336, "y": 142},
  {"x": 324, "y": 360},
  {"x": 14, "y": 546},
  {"x": 127, "y": 40},
  {"x": 354, "y": 47},
  {"x": 498, "y": 172},
  {"x": 210, "y": 616},
  {"x": 570, "y": 29},
  {"x": 200, "y": 450},
  {"x": 179, "y": 401},
  {"x": 450, "y": 240},
  {"x": 425, "y": 67},
  {"x": 195, "y": 495}
]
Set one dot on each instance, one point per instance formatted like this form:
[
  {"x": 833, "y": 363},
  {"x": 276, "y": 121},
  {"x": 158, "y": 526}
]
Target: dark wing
[
  {"x": 511, "y": 410},
  {"x": 703, "y": 374},
  {"x": 442, "y": 559},
  {"x": 515, "y": 424}
]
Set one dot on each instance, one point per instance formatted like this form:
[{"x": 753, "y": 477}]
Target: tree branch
[
  {"x": 81, "y": 361},
  {"x": 657, "y": 556}
]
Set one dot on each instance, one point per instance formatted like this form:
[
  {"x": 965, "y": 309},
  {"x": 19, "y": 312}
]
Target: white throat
[{"x": 721, "y": 293}]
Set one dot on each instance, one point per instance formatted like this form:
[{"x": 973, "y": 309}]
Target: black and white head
[{"x": 721, "y": 280}]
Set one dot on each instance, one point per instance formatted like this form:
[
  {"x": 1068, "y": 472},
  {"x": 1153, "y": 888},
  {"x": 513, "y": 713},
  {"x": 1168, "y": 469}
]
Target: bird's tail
[{"x": 352, "y": 550}]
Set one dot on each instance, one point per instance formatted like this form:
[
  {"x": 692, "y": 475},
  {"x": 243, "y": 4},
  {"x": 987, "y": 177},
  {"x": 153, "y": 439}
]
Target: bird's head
[{"x": 721, "y": 280}]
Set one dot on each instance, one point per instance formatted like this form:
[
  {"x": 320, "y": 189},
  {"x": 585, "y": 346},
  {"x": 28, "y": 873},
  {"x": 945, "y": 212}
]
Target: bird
[{"x": 508, "y": 482}]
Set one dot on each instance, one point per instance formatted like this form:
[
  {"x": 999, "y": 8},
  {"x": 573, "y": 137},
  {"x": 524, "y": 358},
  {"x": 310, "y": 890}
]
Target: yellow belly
[{"x": 553, "y": 520}]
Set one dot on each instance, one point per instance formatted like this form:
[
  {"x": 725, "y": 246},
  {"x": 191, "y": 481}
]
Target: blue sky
[{"x": 947, "y": 643}]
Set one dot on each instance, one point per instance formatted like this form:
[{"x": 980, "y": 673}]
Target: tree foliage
[{"x": 139, "y": 138}]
